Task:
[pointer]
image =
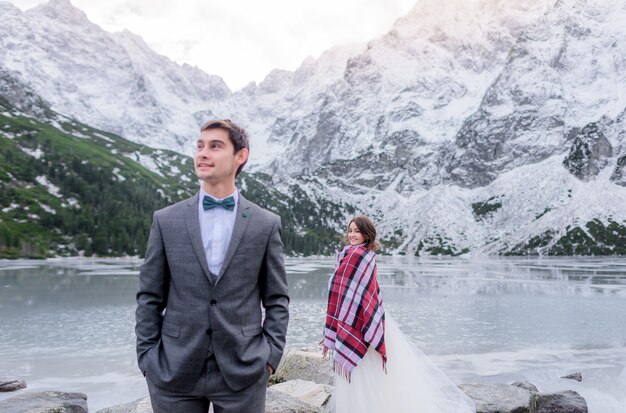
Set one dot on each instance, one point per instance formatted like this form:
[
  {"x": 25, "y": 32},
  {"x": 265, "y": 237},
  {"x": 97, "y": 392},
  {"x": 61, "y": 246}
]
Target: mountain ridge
[
  {"x": 490, "y": 127},
  {"x": 68, "y": 189}
]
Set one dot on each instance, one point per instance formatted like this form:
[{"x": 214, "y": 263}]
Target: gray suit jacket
[{"x": 183, "y": 312}]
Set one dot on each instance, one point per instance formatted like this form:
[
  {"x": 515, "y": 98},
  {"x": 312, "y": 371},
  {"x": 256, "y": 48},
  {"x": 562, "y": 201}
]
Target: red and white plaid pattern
[{"x": 355, "y": 318}]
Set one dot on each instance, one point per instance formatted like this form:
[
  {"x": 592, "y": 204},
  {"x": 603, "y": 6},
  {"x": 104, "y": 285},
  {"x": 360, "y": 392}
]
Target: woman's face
[{"x": 354, "y": 235}]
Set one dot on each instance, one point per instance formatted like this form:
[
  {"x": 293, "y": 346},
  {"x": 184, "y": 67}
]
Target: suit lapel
[
  {"x": 241, "y": 222},
  {"x": 193, "y": 228}
]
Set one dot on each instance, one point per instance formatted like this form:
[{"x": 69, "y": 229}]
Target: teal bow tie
[{"x": 210, "y": 203}]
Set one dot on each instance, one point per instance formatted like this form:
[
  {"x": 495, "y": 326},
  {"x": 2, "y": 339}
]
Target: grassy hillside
[
  {"x": 67, "y": 189},
  {"x": 310, "y": 221}
]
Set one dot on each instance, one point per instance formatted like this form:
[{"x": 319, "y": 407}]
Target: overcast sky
[{"x": 242, "y": 40}]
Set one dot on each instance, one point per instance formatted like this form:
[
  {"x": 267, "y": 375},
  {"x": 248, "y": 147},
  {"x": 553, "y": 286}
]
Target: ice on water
[{"x": 67, "y": 324}]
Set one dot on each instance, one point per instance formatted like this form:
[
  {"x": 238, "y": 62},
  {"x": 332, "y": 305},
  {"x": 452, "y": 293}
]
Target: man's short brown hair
[{"x": 237, "y": 135}]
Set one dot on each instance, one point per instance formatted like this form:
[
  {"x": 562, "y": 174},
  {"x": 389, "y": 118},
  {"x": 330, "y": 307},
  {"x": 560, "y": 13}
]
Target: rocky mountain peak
[
  {"x": 486, "y": 125},
  {"x": 62, "y": 11},
  {"x": 8, "y": 8}
]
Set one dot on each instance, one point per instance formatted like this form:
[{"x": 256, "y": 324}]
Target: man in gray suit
[{"x": 213, "y": 263}]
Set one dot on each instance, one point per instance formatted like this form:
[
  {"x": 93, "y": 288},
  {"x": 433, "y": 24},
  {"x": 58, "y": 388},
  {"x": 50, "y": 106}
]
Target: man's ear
[{"x": 242, "y": 156}]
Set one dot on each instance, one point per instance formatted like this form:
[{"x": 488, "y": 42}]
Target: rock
[
  {"x": 138, "y": 406},
  {"x": 304, "y": 365},
  {"x": 562, "y": 402},
  {"x": 307, "y": 391},
  {"x": 45, "y": 402},
  {"x": 525, "y": 384},
  {"x": 619, "y": 173},
  {"x": 498, "y": 398},
  {"x": 311, "y": 349},
  {"x": 7, "y": 385},
  {"x": 276, "y": 401},
  {"x": 590, "y": 152},
  {"x": 279, "y": 402},
  {"x": 574, "y": 376}
]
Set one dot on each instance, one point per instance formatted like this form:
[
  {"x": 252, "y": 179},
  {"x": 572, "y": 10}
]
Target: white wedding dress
[{"x": 412, "y": 382}]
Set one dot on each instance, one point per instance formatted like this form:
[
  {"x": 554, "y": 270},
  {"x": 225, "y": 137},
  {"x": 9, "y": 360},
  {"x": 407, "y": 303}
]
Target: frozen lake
[{"x": 68, "y": 324}]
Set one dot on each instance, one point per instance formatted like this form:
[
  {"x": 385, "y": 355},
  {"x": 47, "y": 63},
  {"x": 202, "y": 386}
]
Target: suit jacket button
[
  {"x": 213, "y": 302},
  {"x": 209, "y": 331}
]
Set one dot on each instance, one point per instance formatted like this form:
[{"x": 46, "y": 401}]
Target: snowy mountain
[
  {"x": 412, "y": 88},
  {"x": 487, "y": 126},
  {"x": 69, "y": 189},
  {"x": 110, "y": 81}
]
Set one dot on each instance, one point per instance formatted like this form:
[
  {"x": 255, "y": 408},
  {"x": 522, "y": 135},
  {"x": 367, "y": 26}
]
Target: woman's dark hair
[{"x": 367, "y": 228}]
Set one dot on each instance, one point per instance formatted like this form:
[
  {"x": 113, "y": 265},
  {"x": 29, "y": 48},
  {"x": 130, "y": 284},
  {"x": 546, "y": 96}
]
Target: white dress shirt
[{"x": 216, "y": 227}]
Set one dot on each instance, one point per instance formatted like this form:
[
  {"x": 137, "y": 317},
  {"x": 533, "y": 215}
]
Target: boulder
[
  {"x": 304, "y": 365},
  {"x": 138, "y": 406},
  {"x": 276, "y": 401},
  {"x": 567, "y": 401},
  {"x": 309, "y": 392},
  {"x": 7, "y": 385},
  {"x": 525, "y": 384},
  {"x": 574, "y": 376},
  {"x": 279, "y": 402},
  {"x": 498, "y": 398},
  {"x": 45, "y": 402}
]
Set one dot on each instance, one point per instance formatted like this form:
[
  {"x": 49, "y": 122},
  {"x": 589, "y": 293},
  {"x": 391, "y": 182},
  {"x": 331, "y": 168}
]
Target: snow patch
[
  {"x": 71, "y": 203},
  {"x": 11, "y": 207},
  {"x": 37, "y": 153},
  {"x": 52, "y": 189},
  {"x": 116, "y": 172},
  {"x": 106, "y": 138},
  {"x": 145, "y": 161},
  {"x": 48, "y": 209}
]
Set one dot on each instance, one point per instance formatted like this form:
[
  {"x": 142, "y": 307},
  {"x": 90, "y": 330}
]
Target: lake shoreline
[{"x": 68, "y": 323}]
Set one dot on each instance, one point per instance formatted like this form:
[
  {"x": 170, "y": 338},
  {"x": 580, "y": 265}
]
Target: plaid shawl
[{"x": 355, "y": 318}]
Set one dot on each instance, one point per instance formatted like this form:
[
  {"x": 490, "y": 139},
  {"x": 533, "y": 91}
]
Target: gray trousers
[{"x": 211, "y": 389}]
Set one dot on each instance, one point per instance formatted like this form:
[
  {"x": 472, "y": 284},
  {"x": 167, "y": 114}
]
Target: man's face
[{"x": 215, "y": 160}]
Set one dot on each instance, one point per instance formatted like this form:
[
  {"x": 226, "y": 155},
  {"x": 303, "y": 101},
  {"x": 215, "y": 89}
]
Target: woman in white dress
[{"x": 376, "y": 368}]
